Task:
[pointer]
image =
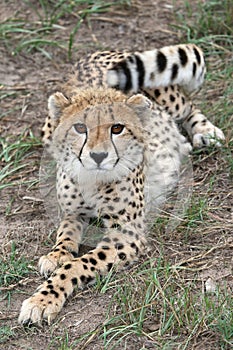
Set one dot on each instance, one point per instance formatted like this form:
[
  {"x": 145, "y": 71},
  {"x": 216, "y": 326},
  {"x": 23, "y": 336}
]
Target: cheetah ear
[
  {"x": 140, "y": 101},
  {"x": 56, "y": 103}
]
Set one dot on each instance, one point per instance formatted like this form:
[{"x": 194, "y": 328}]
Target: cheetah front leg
[
  {"x": 115, "y": 249},
  {"x": 66, "y": 248}
]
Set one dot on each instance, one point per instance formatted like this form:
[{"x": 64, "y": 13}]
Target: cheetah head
[{"x": 102, "y": 137}]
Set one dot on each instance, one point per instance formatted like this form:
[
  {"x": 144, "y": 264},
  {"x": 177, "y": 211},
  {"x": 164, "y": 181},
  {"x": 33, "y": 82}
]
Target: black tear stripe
[
  {"x": 161, "y": 61},
  {"x": 122, "y": 66},
  {"x": 198, "y": 57},
  {"x": 115, "y": 148},
  {"x": 140, "y": 70},
  {"x": 81, "y": 150},
  {"x": 183, "y": 56},
  {"x": 175, "y": 69}
]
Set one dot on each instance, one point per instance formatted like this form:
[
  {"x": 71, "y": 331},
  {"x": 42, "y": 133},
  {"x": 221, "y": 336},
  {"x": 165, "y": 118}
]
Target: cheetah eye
[
  {"x": 80, "y": 128},
  {"x": 117, "y": 129}
]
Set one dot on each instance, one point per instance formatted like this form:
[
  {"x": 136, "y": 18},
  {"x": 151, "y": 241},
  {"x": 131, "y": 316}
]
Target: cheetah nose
[{"x": 98, "y": 157}]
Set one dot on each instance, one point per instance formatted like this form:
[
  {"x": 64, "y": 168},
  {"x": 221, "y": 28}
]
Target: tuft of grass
[
  {"x": 208, "y": 24},
  {"x": 16, "y": 155},
  {"x": 61, "y": 342},
  {"x": 42, "y": 32},
  {"x": 196, "y": 212},
  {"x": 13, "y": 268},
  {"x": 6, "y": 333},
  {"x": 155, "y": 301},
  {"x": 215, "y": 17}
]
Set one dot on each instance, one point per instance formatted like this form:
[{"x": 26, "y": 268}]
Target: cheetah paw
[
  {"x": 49, "y": 263},
  {"x": 34, "y": 310},
  {"x": 212, "y": 136}
]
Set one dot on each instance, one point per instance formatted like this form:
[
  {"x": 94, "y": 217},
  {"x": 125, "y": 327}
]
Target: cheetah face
[
  {"x": 98, "y": 147},
  {"x": 103, "y": 140}
]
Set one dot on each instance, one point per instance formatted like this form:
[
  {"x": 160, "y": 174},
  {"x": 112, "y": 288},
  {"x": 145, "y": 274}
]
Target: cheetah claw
[{"x": 34, "y": 311}]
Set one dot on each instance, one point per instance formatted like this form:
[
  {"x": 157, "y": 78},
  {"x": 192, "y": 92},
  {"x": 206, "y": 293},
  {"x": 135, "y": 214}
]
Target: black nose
[{"x": 98, "y": 157}]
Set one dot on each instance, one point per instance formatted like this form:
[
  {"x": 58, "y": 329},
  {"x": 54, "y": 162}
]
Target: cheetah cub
[{"x": 113, "y": 134}]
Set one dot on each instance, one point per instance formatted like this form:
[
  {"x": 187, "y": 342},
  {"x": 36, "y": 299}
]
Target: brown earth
[{"x": 33, "y": 77}]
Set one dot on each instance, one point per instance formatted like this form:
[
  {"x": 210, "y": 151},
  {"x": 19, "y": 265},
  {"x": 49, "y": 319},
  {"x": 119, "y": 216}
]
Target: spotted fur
[
  {"x": 167, "y": 76},
  {"x": 118, "y": 156}
]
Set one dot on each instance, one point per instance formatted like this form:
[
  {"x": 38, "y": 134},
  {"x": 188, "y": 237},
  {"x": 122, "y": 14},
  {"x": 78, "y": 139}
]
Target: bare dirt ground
[{"x": 33, "y": 77}]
